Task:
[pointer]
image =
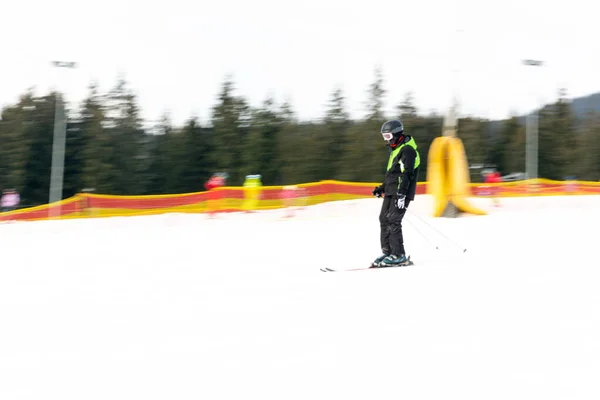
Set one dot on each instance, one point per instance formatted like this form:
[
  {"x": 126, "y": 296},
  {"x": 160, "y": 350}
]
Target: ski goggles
[{"x": 387, "y": 136}]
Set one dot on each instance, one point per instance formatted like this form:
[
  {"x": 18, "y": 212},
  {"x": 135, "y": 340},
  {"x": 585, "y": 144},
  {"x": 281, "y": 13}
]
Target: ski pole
[
  {"x": 464, "y": 249},
  {"x": 422, "y": 234}
]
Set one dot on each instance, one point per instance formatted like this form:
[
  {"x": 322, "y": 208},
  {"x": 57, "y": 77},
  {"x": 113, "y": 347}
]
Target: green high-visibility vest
[{"x": 397, "y": 150}]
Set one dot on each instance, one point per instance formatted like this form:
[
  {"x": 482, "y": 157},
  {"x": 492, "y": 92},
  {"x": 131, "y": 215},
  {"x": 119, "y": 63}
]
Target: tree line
[{"x": 109, "y": 149}]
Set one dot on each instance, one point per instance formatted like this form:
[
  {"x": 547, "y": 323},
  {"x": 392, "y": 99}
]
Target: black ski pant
[{"x": 390, "y": 219}]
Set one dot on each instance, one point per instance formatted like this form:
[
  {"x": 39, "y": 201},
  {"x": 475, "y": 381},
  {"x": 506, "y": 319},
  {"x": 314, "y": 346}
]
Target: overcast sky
[{"x": 175, "y": 54}]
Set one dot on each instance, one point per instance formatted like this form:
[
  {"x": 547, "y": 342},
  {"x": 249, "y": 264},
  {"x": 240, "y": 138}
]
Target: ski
[{"x": 407, "y": 263}]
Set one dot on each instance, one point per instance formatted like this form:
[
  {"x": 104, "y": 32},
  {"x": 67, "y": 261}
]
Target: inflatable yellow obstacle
[{"x": 448, "y": 175}]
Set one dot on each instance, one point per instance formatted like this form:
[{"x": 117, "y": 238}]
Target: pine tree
[
  {"x": 333, "y": 136},
  {"x": 39, "y": 133},
  {"x": 286, "y": 113},
  {"x": 199, "y": 165},
  {"x": 130, "y": 144},
  {"x": 471, "y": 131},
  {"x": 588, "y": 150},
  {"x": 293, "y": 147},
  {"x": 367, "y": 148},
  {"x": 261, "y": 153},
  {"x": 99, "y": 172},
  {"x": 407, "y": 110},
  {"x": 231, "y": 123},
  {"x": 14, "y": 122},
  {"x": 376, "y": 94},
  {"x": 165, "y": 168},
  {"x": 556, "y": 132},
  {"x": 508, "y": 151},
  {"x": 515, "y": 161}
]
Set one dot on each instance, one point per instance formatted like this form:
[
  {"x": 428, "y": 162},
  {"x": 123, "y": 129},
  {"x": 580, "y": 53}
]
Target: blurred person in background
[
  {"x": 288, "y": 195},
  {"x": 218, "y": 180},
  {"x": 491, "y": 179},
  {"x": 398, "y": 190},
  {"x": 10, "y": 199}
]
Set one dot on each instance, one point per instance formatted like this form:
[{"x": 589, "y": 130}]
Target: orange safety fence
[
  {"x": 535, "y": 187},
  {"x": 236, "y": 199}
]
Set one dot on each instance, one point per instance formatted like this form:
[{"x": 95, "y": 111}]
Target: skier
[{"x": 398, "y": 190}]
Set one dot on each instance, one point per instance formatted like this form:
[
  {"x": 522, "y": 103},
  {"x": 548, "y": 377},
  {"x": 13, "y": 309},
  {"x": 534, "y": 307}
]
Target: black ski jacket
[{"x": 403, "y": 170}]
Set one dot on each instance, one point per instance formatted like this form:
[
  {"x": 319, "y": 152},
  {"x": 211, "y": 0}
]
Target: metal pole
[
  {"x": 529, "y": 147},
  {"x": 451, "y": 120},
  {"x": 534, "y": 144},
  {"x": 531, "y": 132},
  {"x": 58, "y": 148}
]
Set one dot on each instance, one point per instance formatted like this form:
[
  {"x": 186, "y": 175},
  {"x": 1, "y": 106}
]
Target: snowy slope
[{"x": 186, "y": 307}]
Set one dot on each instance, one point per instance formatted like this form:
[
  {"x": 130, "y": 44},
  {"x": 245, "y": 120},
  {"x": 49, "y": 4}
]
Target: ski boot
[
  {"x": 378, "y": 261},
  {"x": 394, "y": 261}
]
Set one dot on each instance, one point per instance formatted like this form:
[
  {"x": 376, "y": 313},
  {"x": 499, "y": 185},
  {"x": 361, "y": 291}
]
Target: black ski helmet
[{"x": 392, "y": 131}]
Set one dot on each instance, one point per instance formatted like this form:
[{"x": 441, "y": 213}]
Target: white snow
[{"x": 183, "y": 306}]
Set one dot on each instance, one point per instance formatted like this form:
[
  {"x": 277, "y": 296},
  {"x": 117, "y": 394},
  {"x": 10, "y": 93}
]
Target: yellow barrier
[
  {"x": 458, "y": 174},
  {"x": 436, "y": 175},
  {"x": 448, "y": 177}
]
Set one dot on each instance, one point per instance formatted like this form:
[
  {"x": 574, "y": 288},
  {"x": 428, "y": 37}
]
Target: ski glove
[
  {"x": 400, "y": 200},
  {"x": 378, "y": 191}
]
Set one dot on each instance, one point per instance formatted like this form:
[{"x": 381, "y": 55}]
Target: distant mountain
[
  {"x": 582, "y": 105},
  {"x": 579, "y": 105}
]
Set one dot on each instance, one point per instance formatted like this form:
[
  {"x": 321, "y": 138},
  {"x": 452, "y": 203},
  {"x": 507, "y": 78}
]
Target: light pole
[
  {"x": 531, "y": 132},
  {"x": 58, "y": 147}
]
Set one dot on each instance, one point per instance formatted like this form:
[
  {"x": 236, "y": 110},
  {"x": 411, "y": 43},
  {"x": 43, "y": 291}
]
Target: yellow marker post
[{"x": 252, "y": 192}]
